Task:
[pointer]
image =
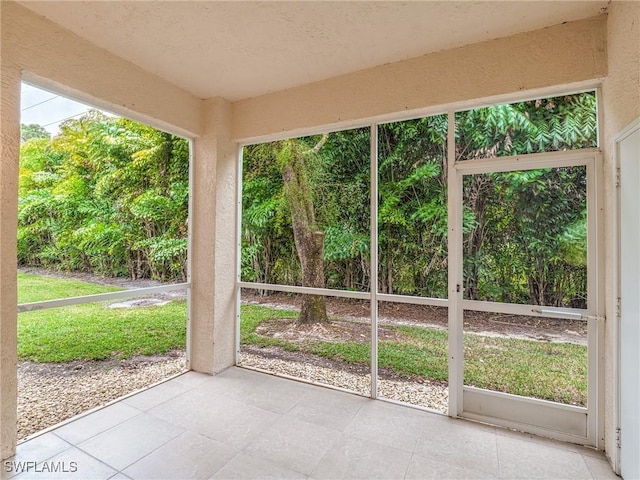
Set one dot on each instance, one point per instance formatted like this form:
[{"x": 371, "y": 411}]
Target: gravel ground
[
  {"x": 50, "y": 393},
  {"x": 433, "y": 396}
]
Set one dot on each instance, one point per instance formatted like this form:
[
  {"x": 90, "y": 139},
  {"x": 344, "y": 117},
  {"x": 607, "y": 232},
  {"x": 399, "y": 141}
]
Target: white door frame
[
  {"x": 563, "y": 422},
  {"x": 623, "y": 134}
]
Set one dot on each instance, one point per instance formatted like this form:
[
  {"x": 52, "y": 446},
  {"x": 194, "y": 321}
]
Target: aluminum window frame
[{"x": 455, "y": 302}]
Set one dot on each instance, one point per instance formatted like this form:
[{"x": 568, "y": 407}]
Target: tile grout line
[
  {"x": 593, "y": 476},
  {"x": 152, "y": 451},
  {"x": 498, "y": 473},
  {"x": 120, "y": 424},
  {"x": 406, "y": 471},
  {"x": 77, "y": 445}
]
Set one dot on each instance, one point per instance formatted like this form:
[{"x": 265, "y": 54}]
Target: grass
[
  {"x": 38, "y": 288},
  {"x": 93, "y": 331},
  {"x": 550, "y": 371}
]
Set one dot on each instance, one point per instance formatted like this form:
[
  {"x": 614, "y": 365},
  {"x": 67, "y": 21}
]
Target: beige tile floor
[{"x": 244, "y": 425}]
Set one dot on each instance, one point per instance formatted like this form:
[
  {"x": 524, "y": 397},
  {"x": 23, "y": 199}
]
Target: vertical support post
[
  {"x": 374, "y": 259},
  {"x": 213, "y": 280},
  {"x": 238, "y": 251},
  {"x": 9, "y": 158},
  {"x": 189, "y": 251},
  {"x": 601, "y": 278},
  {"x": 454, "y": 247},
  {"x": 593, "y": 300}
]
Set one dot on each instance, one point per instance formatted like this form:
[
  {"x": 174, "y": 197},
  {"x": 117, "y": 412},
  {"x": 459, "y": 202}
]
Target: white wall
[{"x": 9, "y": 148}]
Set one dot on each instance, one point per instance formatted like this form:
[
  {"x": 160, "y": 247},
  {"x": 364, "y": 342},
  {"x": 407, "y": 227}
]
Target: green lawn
[
  {"x": 551, "y": 371},
  {"x": 93, "y": 331},
  {"x": 38, "y": 288}
]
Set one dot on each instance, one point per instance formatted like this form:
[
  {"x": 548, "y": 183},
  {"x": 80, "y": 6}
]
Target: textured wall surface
[
  {"x": 267, "y": 47},
  {"x": 621, "y": 102},
  {"x": 212, "y": 325},
  {"x": 58, "y": 59},
  {"x": 558, "y": 55},
  {"x": 9, "y": 153}
]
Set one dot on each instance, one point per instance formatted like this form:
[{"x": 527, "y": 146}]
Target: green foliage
[
  {"x": 31, "y": 131},
  {"x": 525, "y": 231},
  {"x": 543, "y": 125},
  {"x": 339, "y": 180},
  {"x": 529, "y": 243},
  {"x": 412, "y": 213},
  {"x": 107, "y": 196}
]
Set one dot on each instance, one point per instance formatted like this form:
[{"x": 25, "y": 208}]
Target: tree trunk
[
  {"x": 476, "y": 195},
  {"x": 308, "y": 240},
  {"x": 314, "y": 307}
]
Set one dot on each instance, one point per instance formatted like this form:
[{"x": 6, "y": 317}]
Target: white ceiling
[{"x": 238, "y": 49}]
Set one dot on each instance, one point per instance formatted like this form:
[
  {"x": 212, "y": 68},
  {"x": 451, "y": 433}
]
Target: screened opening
[
  {"x": 305, "y": 211},
  {"x": 102, "y": 210},
  {"x": 525, "y": 237},
  {"x": 336, "y": 352},
  {"x": 413, "y": 354},
  {"x": 526, "y": 264},
  {"x": 544, "y": 358},
  {"x": 567, "y": 122},
  {"x": 412, "y": 209}
]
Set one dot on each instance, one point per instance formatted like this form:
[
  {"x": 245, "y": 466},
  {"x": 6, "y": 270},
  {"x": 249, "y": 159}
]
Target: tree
[
  {"x": 31, "y": 131},
  {"x": 338, "y": 178},
  {"x": 309, "y": 240},
  {"x": 521, "y": 245},
  {"x": 511, "y": 253},
  {"x": 107, "y": 196},
  {"x": 412, "y": 220}
]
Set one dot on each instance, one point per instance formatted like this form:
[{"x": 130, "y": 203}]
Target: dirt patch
[
  {"x": 89, "y": 368},
  {"x": 140, "y": 302},
  {"x": 123, "y": 282},
  {"x": 306, "y": 359},
  {"x": 490, "y": 324},
  {"x": 334, "y": 331}
]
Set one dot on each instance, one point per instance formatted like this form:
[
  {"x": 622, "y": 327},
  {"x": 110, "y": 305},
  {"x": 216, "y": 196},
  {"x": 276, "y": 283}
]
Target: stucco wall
[
  {"x": 9, "y": 147},
  {"x": 621, "y": 105},
  {"x": 61, "y": 60},
  {"x": 558, "y": 55},
  {"x": 212, "y": 328}
]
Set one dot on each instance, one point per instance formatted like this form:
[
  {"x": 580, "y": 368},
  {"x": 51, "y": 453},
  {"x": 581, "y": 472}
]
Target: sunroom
[{"x": 241, "y": 80}]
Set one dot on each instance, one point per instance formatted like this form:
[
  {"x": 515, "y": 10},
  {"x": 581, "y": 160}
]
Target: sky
[{"x": 48, "y": 109}]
